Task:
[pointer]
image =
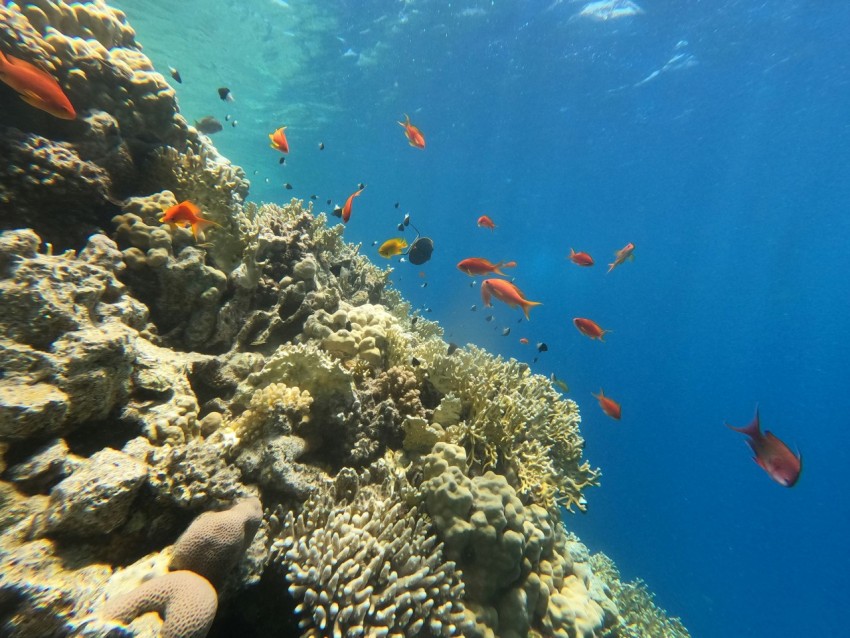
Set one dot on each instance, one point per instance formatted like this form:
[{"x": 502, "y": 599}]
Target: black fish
[
  {"x": 208, "y": 125},
  {"x": 375, "y": 243},
  {"x": 413, "y": 321},
  {"x": 348, "y": 326},
  {"x": 452, "y": 348},
  {"x": 321, "y": 146},
  {"x": 420, "y": 251},
  {"x": 407, "y": 220},
  {"x": 361, "y": 186},
  {"x": 424, "y": 284},
  {"x": 234, "y": 123},
  {"x": 473, "y": 307},
  {"x": 490, "y": 317},
  {"x": 282, "y": 160},
  {"x": 337, "y": 211},
  {"x": 542, "y": 347},
  {"x": 396, "y": 204},
  {"x": 288, "y": 186},
  {"x": 225, "y": 94},
  {"x": 414, "y": 361},
  {"x": 227, "y": 117},
  {"x": 472, "y": 284},
  {"x": 506, "y": 332},
  {"x": 314, "y": 197},
  {"x": 329, "y": 202},
  {"x": 175, "y": 74},
  {"x": 255, "y": 172},
  {"x": 401, "y": 226},
  {"x": 427, "y": 310}
]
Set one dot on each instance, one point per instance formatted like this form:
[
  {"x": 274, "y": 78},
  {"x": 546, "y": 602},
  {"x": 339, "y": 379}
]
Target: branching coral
[
  {"x": 363, "y": 563},
  {"x": 640, "y": 617},
  {"x": 515, "y": 422}
]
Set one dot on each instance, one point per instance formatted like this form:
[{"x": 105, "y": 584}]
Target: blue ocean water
[{"x": 712, "y": 135}]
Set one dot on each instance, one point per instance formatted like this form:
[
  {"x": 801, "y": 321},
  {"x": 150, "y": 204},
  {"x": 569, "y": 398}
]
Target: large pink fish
[{"x": 772, "y": 455}]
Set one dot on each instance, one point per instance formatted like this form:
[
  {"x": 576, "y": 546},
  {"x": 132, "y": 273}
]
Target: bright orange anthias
[
  {"x": 346, "y": 210},
  {"x": 590, "y": 328},
  {"x": 486, "y": 222},
  {"x": 609, "y": 406},
  {"x": 278, "y": 140},
  {"x": 771, "y": 454},
  {"x": 36, "y": 87},
  {"x": 413, "y": 134},
  {"x": 186, "y": 214},
  {"x": 622, "y": 255},
  {"x": 506, "y": 292},
  {"x": 580, "y": 259},
  {"x": 477, "y": 266}
]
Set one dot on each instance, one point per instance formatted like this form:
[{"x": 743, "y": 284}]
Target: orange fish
[
  {"x": 186, "y": 214},
  {"x": 523, "y": 341},
  {"x": 486, "y": 222},
  {"x": 476, "y": 266},
  {"x": 413, "y": 134},
  {"x": 609, "y": 406},
  {"x": 771, "y": 454},
  {"x": 278, "y": 139},
  {"x": 589, "y": 328},
  {"x": 36, "y": 87},
  {"x": 506, "y": 292},
  {"x": 346, "y": 210},
  {"x": 622, "y": 255},
  {"x": 580, "y": 259}
]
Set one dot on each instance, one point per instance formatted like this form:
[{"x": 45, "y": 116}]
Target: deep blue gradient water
[{"x": 728, "y": 170}]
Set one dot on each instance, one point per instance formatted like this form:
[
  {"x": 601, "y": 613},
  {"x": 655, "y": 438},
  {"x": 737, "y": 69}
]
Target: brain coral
[{"x": 366, "y": 564}]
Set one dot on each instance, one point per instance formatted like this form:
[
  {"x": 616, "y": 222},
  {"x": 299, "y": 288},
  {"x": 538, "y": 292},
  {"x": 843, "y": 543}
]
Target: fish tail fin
[
  {"x": 527, "y": 305},
  {"x": 599, "y": 396},
  {"x": 752, "y": 429},
  {"x": 509, "y": 264},
  {"x": 198, "y": 228},
  {"x": 612, "y": 266}
]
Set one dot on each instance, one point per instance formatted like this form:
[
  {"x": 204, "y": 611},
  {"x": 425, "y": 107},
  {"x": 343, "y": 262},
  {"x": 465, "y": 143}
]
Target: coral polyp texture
[{"x": 148, "y": 380}]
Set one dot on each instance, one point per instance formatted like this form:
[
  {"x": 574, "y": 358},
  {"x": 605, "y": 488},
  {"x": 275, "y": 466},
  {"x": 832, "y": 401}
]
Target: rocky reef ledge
[{"x": 254, "y": 436}]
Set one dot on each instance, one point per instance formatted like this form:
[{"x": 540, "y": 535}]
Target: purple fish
[{"x": 772, "y": 455}]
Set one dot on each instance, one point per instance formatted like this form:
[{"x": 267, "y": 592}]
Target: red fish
[
  {"x": 476, "y": 266},
  {"x": 609, "y": 406},
  {"x": 523, "y": 341},
  {"x": 622, "y": 255},
  {"x": 486, "y": 222},
  {"x": 413, "y": 134},
  {"x": 771, "y": 454},
  {"x": 506, "y": 292},
  {"x": 589, "y": 328},
  {"x": 580, "y": 259},
  {"x": 186, "y": 214},
  {"x": 36, "y": 87},
  {"x": 346, "y": 210},
  {"x": 278, "y": 139}
]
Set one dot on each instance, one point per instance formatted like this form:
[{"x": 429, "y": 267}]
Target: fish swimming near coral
[
  {"x": 392, "y": 247},
  {"x": 474, "y": 266},
  {"x": 279, "y": 141},
  {"x": 771, "y": 454},
  {"x": 208, "y": 125},
  {"x": 507, "y": 293},
  {"x": 345, "y": 213},
  {"x": 414, "y": 135},
  {"x": 608, "y": 405},
  {"x": 35, "y": 87},
  {"x": 187, "y": 214}
]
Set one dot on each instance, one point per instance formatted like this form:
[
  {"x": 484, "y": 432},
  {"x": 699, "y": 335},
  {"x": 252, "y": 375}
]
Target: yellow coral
[{"x": 277, "y": 404}]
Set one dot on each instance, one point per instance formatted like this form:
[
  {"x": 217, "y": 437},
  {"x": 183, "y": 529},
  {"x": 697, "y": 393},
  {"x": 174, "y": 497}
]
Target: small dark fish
[
  {"x": 427, "y": 310},
  {"x": 288, "y": 186},
  {"x": 375, "y": 243},
  {"x": 407, "y": 219},
  {"x": 414, "y": 361},
  {"x": 472, "y": 284},
  {"x": 208, "y": 125},
  {"x": 535, "y": 360},
  {"x": 175, "y": 74},
  {"x": 225, "y": 94},
  {"x": 519, "y": 320},
  {"x": 506, "y": 332},
  {"x": 282, "y": 160},
  {"x": 420, "y": 250},
  {"x": 490, "y": 317},
  {"x": 452, "y": 348},
  {"x": 424, "y": 284},
  {"x": 227, "y": 117},
  {"x": 337, "y": 212},
  {"x": 314, "y": 197},
  {"x": 413, "y": 321},
  {"x": 255, "y": 172},
  {"x": 542, "y": 347},
  {"x": 473, "y": 307},
  {"x": 348, "y": 326},
  {"x": 396, "y": 204},
  {"x": 234, "y": 123},
  {"x": 321, "y": 146},
  {"x": 361, "y": 186},
  {"x": 329, "y": 202},
  {"x": 401, "y": 226}
]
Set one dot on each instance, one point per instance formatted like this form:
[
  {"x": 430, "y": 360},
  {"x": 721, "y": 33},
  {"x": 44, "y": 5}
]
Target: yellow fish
[{"x": 392, "y": 247}]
